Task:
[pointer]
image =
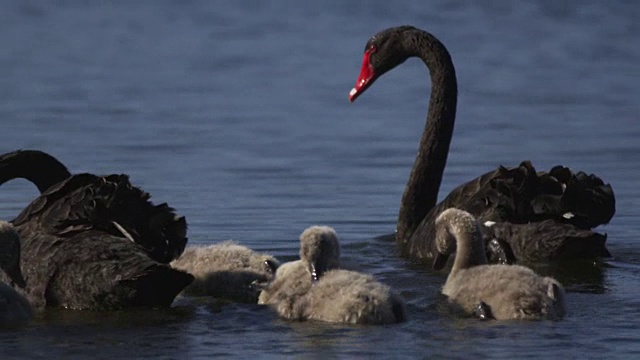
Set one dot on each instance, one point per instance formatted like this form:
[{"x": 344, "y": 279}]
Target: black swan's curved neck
[
  {"x": 421, "y": 193},
  {"x": 40, "y": 168}
]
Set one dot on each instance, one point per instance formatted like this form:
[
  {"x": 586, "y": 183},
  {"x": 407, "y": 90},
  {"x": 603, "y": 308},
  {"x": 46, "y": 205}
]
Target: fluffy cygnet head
[
  {"x": 320, "y": 250},
  {"x": 457, "y": 230}
]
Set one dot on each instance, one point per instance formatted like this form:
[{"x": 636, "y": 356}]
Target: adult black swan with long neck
[
  {"x": 86, "y": 201},
  {"x": 535, "y": 215},
  {"x": 95, "y": 242}
]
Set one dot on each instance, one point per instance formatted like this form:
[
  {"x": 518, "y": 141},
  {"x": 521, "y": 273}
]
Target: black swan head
[{"x": 383, "y": 52}]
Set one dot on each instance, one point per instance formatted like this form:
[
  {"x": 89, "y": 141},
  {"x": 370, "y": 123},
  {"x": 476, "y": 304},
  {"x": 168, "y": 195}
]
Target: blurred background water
[{"x": 236, "y": 113}]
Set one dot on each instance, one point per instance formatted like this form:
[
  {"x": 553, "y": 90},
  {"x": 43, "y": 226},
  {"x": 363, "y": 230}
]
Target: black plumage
[
  {"x": 95, "y": 242},
  {"x": 539, "y": 215}
]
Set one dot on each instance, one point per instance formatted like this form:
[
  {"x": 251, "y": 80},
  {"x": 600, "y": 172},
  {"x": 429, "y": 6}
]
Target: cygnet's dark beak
[
  {"x": 315, "y": 275},
  {"x": 259, "y": 285}
]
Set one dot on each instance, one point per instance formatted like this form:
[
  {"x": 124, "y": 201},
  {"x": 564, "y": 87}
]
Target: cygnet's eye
[{"x": 270, "y": 266}]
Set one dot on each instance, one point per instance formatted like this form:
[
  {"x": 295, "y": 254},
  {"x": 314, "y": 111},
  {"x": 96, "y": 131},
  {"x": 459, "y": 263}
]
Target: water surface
[{"x": 237, "y": 115}]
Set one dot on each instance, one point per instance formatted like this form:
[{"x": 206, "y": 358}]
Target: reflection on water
[{"x": 237, "y": 115}]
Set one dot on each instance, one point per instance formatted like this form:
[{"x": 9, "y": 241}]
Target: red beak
[{"x": 365, "y": 78}]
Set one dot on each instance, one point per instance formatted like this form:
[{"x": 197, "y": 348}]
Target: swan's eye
[
  {"x": 369, "y": 44},
  {"x": 368, "y": 54}
]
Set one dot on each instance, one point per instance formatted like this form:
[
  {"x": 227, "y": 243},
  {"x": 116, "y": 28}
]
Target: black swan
[
  {"x": 313, "y": 288},
  {"x": 85, "y": 201},
  {"x": 15, "y": 310},
  {"x": 559, "y": 207},
  {"x": 95, "y": 242},
  {"x": 501, "y": 292}
]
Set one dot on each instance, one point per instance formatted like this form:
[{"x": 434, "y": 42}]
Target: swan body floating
[
  {"x": 94, "y": 242},
  {"x": 559, "y": 207},
  {"x": 72, "y": 203}
]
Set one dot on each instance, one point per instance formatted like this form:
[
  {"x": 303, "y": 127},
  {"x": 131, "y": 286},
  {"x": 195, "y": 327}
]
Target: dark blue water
[{"x": 237, "y": 115}]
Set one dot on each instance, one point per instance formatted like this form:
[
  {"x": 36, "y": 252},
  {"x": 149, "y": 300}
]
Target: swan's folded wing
[
  {"x": 110, "y": 204},
  {"x": 547, "y": 240},
  {"x": 521, "y": 196},
  {"x": 61, "y": 202}
]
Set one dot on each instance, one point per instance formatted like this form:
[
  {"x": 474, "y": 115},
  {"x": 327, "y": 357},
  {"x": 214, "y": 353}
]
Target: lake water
[{"x": 236, "y": 113}]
